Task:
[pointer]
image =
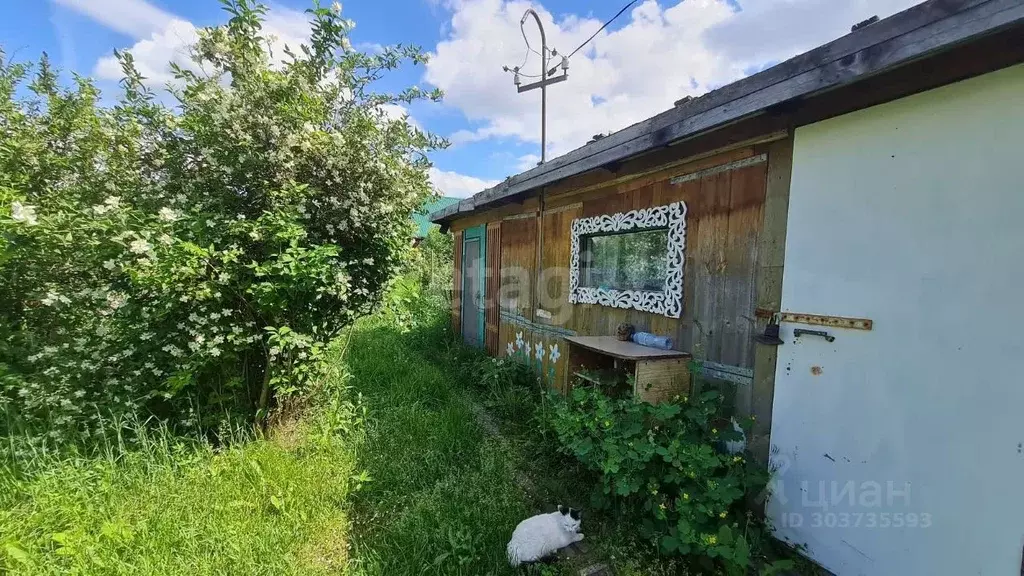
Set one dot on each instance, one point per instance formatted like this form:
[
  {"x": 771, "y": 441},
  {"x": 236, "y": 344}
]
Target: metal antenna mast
[{"x": 545, "y": 78}]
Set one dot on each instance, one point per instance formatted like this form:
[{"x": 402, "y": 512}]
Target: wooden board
[
  {"x": 492, "y": 290},
  {"x": 518, "y": 264},
  {"x": 612, "y": 346},
  {"x": 768, "y": 285},
  {"x": 661, "y": 380},
  {"x": 553, "y": 284}
]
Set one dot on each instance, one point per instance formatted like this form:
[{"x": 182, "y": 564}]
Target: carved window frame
[{"x": 668, "y": 301}]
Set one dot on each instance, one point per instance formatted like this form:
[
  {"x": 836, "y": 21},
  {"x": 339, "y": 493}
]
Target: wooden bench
[{"x": 658, "y": 375}]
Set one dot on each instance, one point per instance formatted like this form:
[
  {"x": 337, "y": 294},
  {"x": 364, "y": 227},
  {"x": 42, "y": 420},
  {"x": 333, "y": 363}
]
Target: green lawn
[{"x": 395, "y": 470}]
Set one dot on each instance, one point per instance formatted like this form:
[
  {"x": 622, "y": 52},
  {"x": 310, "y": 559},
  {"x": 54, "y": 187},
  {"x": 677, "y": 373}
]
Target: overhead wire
[
  {"x": 585, "y": 42},
  {"x": 603, "y": 26}
]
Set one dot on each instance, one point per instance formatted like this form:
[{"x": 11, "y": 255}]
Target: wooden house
[{"x": 866, "y": 197}]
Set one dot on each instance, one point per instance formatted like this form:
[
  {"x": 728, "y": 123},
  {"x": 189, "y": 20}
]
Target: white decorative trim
[{"x": 667, "y": 302}]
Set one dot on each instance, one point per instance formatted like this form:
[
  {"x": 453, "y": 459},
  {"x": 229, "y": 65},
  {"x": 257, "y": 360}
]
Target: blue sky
[{"x": 656, "y": 53}]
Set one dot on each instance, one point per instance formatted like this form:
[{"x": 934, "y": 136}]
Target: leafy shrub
[
  {"x": 154, "y": 258},
  {"x": 665, "y": 466},
  {"x": 422, "y": 293},
  {"x": 511, "y": 389}
]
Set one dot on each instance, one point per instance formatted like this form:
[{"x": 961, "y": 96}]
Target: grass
[
  {"x": 397, "y": 469},
  {"x": 174, "y": 506}
]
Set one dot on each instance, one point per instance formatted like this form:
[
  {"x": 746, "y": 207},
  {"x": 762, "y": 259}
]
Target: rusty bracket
[{"x": 817, "y": 319}]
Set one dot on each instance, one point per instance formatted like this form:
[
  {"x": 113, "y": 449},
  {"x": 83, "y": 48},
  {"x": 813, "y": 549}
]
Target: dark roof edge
[{"x": 919, "y": 31}]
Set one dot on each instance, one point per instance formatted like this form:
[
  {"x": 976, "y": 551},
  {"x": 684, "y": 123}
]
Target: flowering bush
[
  {"x": 157, "y": 258},
  {"x": 665, "y": 465}
]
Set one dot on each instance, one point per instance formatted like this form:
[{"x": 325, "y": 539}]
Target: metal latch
[{"x": 798, "y": 332}]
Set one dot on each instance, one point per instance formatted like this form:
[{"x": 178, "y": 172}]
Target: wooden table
[{"x": 658, "y": 374}]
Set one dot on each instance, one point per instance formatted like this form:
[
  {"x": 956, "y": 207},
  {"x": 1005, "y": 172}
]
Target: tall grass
[
  {"x": 146, "y": 501},
  {"x": 394, "y": 468},
  {"x": 442, "y": 499}
]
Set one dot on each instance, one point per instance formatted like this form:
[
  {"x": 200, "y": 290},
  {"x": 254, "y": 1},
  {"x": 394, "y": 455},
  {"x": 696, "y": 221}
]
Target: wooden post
[{"x": 768, "y": 279}]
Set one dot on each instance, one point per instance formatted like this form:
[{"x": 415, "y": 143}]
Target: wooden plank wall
[
  {"x": 553, "y": 286},
  {"x": 491, "y": 310},
  {"x": 518, "y": 265},
  {"x": 457, "y": 283},
  {"x": 726, "y": 214}
]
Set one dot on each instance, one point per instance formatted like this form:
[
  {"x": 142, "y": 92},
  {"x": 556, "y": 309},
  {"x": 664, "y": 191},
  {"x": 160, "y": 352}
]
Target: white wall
[{"x": 910, "y": 214}]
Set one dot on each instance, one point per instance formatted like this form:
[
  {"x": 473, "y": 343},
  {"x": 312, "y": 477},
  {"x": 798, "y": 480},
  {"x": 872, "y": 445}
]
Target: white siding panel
[{"x": 911, "y": 214}]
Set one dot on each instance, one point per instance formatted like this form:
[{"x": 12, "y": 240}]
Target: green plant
[
  {"x": 157, "y": 259},
  {"x": 665, "y": 466}
]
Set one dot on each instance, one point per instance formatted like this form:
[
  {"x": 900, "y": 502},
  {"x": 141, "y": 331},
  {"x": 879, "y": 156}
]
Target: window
[
  {"x": 626, "y": 261},
  {"x": 630, "y": 259}
]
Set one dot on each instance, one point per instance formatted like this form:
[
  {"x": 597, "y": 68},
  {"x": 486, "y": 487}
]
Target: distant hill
[{"x": 422, "y": 218}]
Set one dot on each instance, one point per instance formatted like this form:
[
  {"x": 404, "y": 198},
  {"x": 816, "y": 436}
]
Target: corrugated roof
[{"x": 422, "y": 218}]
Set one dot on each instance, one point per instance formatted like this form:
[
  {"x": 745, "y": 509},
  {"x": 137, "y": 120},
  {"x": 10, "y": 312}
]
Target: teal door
[{"x": 473, "y": 258}]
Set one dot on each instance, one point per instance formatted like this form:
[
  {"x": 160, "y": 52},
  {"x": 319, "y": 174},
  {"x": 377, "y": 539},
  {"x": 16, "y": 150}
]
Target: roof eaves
[{"x": 919, "y": 31}]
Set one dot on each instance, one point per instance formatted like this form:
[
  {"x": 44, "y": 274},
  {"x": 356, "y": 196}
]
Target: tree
[{"x": 154, "y": 256}]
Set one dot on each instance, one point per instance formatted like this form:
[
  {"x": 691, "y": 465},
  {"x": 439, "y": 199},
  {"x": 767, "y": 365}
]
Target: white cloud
[
  {"x": 458, "y": 185},
  {"x": 660, "y": 55},
  {"x": 135, "y": 18},
  {"x": 162, "y": 37},
  {"x": 397, "y": 112},
  {"x": 526, "y": 162},
  {"x": 152, "y": 54}
]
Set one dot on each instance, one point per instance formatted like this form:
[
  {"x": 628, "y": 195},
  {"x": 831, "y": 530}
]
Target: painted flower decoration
[
  {"x": 526, "y": 349},
  {"x": 554, "y": 355},
  {"x": 509, "y": 349},
  {"x": 519, "y": 339},
  {"x": 539, "y": 350}
]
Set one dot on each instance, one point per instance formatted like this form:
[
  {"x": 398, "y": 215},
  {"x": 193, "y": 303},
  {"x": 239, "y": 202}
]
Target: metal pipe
[{"x": 543, "y": 77}]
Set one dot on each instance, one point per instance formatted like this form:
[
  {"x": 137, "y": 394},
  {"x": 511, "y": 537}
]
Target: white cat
[{"x": 543, "y": 534}]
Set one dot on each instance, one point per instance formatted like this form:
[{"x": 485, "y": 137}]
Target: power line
[{"x": 605, "y": 25}]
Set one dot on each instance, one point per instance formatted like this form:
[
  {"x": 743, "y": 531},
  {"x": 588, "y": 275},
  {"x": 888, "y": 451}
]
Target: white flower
[
  {"x": 336, "y": 7},
  {"x": 109, "y": 264},
  {"x": 519, "y": 339},
  {"x": 140, "y": 246},
  {"x": 509, "y": 349},
  {"x": 166, "y": 240},
  {"x": 116, "y": 300},
  {"x": 526, "y": 349},
  {"x": 168, "y": 214},
  {"x": 554, "y": 355},
  {"x": 368, "y": 261},
  {"x": 214, "y": 352},
  {"x": 23, "y": 213},
  {"x": 50, "y": 299},
  {"x": 539, "y": 350}
]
